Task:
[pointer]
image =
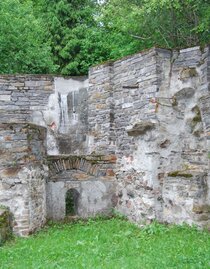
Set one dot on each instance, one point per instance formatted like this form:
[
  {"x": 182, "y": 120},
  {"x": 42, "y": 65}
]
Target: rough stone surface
[
  {"x": 137, "y": 134},
  {"x": 173, "y": 100},
  {"x": 23, "y": 175}
]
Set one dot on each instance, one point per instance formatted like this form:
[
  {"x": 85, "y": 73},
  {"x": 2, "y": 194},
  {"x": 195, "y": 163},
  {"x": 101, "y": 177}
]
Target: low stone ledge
[{"x": 140, "y": 128}]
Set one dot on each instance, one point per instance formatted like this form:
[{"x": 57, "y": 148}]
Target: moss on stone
[
  {"x": 4, "y": 218},
  {"x": 29, "y": 137},
  {"x": 188, "y": 72},
  {"x": 179, "y": 174},
  {"x": 5, "y": 227},
  {"x": 197, "y": 118},
  {"x": 199, "y": 209}
]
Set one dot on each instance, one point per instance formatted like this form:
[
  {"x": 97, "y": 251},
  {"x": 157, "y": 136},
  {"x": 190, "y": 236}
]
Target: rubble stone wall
[
  {"x": 21, "y": 95},
  {"x": 148, "y": 113},
  {"x": 156, "y": 120},
  {"x": 23, "y": 175}
]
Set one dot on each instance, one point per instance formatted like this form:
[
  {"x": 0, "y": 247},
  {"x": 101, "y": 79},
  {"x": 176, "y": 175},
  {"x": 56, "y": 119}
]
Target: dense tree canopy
[
  {"x": 68, "y": 36},
  {"x": 176, "y": 23},
  {"x": 69, "y": 24},
  {"x": 23, "y": 44}
]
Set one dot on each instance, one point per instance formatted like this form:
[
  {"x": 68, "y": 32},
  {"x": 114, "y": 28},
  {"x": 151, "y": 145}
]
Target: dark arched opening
[{"x": 72, "y": 196}]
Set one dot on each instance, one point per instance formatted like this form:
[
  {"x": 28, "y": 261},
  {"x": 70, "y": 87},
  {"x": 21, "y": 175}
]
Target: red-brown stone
[{"x": 110, "y": 172}]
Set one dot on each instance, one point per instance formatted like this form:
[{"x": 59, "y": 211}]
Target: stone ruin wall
[
  {"x": 153, "y": 111},
  {"x": 32, "y": 191},
  {"x": 23, "y": 175},
  {"x": 22, "y": 150},
  {"x": 149, "y": 112}
]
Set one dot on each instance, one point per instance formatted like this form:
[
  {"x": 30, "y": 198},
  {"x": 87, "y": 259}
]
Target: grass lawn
[{"x": 113, "y": 243}]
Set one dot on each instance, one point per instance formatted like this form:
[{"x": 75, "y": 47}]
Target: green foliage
[
  {"x": 112, "y": 243},
  {"x": 68, "y": 37},
  {"x": 118, "y": 215},
  {"x": 22, "y": 45},
  {"x": 155, "y": 228},
  {"x": 163, "y": 23},
  {"x": 76, "y": 40}
]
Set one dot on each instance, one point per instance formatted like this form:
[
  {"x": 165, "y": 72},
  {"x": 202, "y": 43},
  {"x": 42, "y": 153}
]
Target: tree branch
[{"x": 139, "y": 37}]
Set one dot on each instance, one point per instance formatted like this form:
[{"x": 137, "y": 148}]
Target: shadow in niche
[{"x": 72, "y": 197}]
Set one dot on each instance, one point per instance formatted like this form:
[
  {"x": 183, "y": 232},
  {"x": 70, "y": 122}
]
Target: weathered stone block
[
  {"x": 140, "y": 128},
  {"x": 5, "y": 98},
  {"x": 187, "y": 73},
  {"x": 201, "y": 209}
]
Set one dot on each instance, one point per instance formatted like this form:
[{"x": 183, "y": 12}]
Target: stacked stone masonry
[
  {"x": 135, "y": 133},
  {"x": 23, "y": 175}
]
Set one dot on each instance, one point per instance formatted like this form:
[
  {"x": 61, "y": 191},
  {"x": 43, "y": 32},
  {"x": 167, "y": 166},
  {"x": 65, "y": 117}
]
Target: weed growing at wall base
[{"x": 111, "y": 244}]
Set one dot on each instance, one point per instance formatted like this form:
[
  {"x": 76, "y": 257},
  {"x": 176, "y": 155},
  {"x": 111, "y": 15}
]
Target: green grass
[{"x": 111, "y": 244}]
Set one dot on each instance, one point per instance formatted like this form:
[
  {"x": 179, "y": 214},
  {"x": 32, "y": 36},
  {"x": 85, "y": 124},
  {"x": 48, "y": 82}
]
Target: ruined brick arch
[{"x": 94, "y": 166}]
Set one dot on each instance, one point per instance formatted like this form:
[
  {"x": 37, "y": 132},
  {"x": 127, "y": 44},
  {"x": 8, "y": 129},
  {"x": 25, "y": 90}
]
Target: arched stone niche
[{"x": 89, "y": 196}]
